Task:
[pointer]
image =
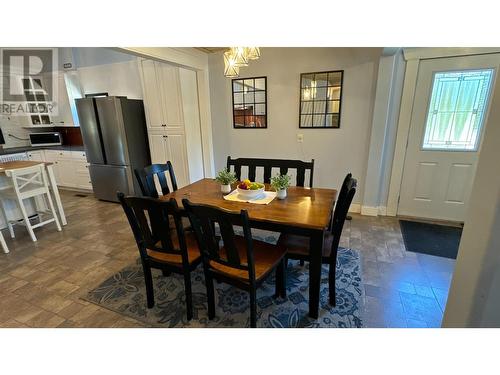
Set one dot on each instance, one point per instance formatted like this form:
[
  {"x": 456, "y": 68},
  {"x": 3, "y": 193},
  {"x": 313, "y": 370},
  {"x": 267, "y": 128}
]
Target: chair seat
[
  {"x": 192, "y": 251},
  {"x": 298, "y": 246},
  {"x": 266, "y": 257}
]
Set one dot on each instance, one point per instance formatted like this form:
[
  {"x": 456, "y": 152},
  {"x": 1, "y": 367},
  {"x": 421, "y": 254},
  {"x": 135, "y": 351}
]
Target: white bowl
[{"x": 250, "y": 194}]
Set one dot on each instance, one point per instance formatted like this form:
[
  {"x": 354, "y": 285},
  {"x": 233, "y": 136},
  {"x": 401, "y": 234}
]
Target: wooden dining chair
[
  {"x": 240, "y": 261},
  {"x": 298, "y": 246},
  {"x": 145, "y": 178},
  {"x": 342, "y": 193},
  {"x": 268, "y": 164},
  {"x": 341, "y": 197},
  {"x": 160, "y": 246}
]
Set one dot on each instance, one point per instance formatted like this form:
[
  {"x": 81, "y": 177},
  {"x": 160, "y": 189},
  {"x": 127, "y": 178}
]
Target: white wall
[
  {"x": 336, "y": 151},
  {"x": 121, "y": 79},
  {"x": 384, "y": 130},
  {"x": 473, "y": 299},
  {"x": 192, "y": 128}
]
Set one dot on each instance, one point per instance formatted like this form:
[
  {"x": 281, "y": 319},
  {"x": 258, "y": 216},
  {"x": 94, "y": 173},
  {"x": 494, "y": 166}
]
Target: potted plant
[
  {"x": 225, "y": 178},
  {"x": 280, "y": 183}
]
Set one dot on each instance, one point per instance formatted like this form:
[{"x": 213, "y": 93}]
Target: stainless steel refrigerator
[{"x": 116, "y": 142}]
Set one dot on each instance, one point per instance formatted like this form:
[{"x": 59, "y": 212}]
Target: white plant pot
[
  {"x": 281, "y": 194},
  {"x": 225, "y": 188}
]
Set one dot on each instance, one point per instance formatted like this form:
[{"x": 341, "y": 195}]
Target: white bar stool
[{"x": 27, "y": 183}]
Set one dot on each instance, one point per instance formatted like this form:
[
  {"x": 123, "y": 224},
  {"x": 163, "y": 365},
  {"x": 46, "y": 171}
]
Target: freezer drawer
[{"x": 109, "y": 179}]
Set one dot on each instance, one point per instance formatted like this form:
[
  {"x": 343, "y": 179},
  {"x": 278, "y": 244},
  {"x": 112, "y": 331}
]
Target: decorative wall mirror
[
  {"x": 250, "y": 103},
  {"x": 320, "y": 99}
]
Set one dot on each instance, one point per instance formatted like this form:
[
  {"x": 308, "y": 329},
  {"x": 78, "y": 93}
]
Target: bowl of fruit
[{"x": 250, "y": 190}]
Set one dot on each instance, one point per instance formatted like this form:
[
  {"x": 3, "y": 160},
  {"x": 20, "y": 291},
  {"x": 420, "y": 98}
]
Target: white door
[{"x": 449, "y": 112}]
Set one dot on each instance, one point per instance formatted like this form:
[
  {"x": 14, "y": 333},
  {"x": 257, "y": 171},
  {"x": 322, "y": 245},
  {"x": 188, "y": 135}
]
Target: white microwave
[{"x": 46, "y": 139}]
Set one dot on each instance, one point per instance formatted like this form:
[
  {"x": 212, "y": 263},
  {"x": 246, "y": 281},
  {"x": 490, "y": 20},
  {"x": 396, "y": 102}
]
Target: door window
[{"x": 456, "y": 110}]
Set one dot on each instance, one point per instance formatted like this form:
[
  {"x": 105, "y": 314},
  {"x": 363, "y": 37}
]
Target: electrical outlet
[{"x": 300, "y": 137}]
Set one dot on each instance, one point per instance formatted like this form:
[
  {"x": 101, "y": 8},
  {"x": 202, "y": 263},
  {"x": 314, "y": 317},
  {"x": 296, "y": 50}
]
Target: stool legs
[
  {"x": 7, "y": 222},
  {"x": 53, "y": 210},
  {"x": 4, "y": 245},
  {"x": 26, "y": 219}
]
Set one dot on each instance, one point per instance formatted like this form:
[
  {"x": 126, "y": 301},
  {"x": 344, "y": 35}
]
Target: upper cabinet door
[
  {"x": 152, "y": 95},
  {"x": 171, "y": 95}
]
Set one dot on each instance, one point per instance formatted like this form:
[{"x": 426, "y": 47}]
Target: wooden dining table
[{"x": 305, "y": 211}]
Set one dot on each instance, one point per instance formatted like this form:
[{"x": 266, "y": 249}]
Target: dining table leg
[
  {"x": 316, "y": 251},
  {"x": 55, "y": 191}
]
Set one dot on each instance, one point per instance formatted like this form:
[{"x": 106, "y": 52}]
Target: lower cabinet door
[
  {"x": 171, "y": 147},
  {"x": 158, "y": 149},
  {"x": 82, "y": 178},
  {"x": 176, "y": 148},
  {"x": 67, "y": 173}
]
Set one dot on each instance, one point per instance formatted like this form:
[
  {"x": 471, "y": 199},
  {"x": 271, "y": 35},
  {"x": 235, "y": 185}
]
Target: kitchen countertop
[{"x": 15, "y": 150}]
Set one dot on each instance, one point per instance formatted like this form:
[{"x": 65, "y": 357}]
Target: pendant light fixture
[
  {"x": 237, "y": 57},
  {"x": 231, "y": 70},
  {"x": 253, "y": 53},
  {"x": 240, "y": 55}
]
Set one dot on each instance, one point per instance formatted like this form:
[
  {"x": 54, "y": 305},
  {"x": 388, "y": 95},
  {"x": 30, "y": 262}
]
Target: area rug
[
  {"x": 125, "y": 293},
  {"x": 431, "y": 239}
]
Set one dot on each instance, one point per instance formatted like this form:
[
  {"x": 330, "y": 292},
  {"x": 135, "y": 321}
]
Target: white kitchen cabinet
[
  {"x": 36, "y": 155},
  {"x": 171, "y": 147},
  {"x": 152, "y": 96},
  {"x": 66, "y": 172},
  {"x": 162, "y": 95},
  {"x": 172, "y": 113},
  {"x": 170, "y": 89},
  {"x": 175, "y": 145},
  {"x": 157, "y": 148},
  {"x": 52, "y": 156},
  {"x": 82, "y": 176},
  {"x": 70, "y": 167}
]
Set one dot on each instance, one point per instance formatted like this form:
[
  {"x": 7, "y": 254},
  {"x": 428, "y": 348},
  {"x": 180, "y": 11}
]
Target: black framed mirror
[
  {"x": 249, "y": 103},
  {"x": 320, "y": 99}
]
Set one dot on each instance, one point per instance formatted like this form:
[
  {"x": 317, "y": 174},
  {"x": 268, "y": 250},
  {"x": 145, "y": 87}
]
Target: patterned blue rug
[{"x": 125, "y": 293}]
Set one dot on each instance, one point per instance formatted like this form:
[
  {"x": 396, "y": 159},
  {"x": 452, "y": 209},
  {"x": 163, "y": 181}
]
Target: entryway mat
[{"x": 432, "y": 239}]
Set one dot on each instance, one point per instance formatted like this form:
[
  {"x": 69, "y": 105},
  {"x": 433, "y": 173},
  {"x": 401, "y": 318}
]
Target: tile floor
[{"x": 41, "y": 283}]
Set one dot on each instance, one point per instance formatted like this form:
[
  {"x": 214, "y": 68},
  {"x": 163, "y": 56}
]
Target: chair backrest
[
  {"x": 150, "y": 220},
  {"x": 343, "y": 189},
  {"x": 29, "y": 179},
  {"x": 145, "y": 178},
  {"x": 340, "y": 213},
  {"x": 203, "y": 219},
  {"x": 284, "y": 165}
]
